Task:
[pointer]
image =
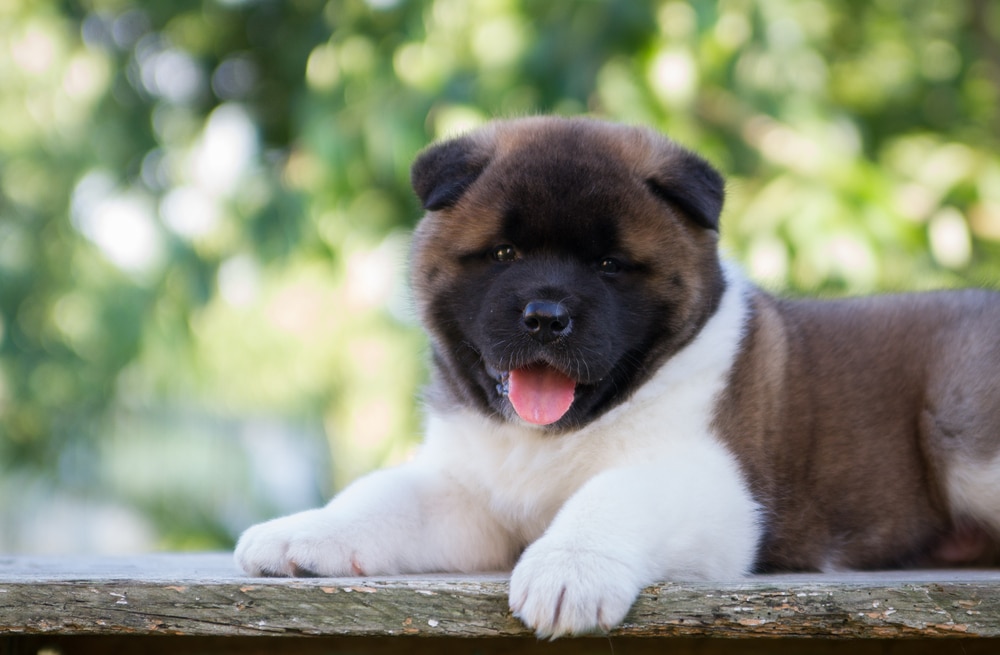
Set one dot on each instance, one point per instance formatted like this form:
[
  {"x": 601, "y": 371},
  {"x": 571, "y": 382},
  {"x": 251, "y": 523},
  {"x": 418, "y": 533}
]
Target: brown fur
[
  {"x": 848, "y": 416},
  {"x": 566, "y": 176}
]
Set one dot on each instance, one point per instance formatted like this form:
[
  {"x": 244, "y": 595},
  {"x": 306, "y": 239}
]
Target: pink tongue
[{"x": 540, "y": 394}]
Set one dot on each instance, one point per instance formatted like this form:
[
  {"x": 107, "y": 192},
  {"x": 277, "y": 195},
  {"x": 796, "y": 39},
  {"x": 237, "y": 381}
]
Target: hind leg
[
  {"x": 961, "y": 432},
  {"x": 973, "y": 488}
]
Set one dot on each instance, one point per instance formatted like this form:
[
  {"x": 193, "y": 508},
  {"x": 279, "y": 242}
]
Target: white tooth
[{"x": 503, "y": 388}]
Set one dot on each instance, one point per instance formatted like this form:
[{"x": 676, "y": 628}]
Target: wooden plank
[
  {"x": 206, "y": 596},
  {"x": 611, "y": 645}
]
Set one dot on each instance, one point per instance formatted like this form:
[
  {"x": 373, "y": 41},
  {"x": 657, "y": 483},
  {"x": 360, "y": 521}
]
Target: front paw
[
  {"x": 307, "y": 544},
  {"x": 560, "y": 591}
]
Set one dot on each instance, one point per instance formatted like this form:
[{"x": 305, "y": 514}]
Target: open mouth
[{"x": 539, "y": 393}]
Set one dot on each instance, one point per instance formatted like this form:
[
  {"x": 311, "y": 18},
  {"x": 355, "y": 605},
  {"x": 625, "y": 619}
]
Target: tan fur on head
[
  {"x": 611, "y": 406},
  {"x": 661, "y": 196}
]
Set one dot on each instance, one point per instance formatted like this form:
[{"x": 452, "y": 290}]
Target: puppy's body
[
  {"x": 611, "y": 407},
  {"x": 857, "y": 422}
]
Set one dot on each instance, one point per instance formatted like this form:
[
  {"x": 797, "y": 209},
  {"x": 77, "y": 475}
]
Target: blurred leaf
[{"x": 203, "y": 204}]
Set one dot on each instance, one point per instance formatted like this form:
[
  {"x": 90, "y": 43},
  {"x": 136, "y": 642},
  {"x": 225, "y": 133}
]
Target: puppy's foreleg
[
  {"x": 685, "y": 517},
  {"x": 403, "y": 520}
]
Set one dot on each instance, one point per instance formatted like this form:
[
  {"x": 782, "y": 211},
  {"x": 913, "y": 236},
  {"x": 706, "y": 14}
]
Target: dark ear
[
  {"x": 442, "y": 173},
  {"x": 690, "y": 184}
]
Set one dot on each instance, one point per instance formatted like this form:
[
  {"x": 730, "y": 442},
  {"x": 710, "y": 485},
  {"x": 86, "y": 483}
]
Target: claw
[{"x": 301, "y": 571}]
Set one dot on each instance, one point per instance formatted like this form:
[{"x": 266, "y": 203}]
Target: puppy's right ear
[{"x": 442, "y": 173}]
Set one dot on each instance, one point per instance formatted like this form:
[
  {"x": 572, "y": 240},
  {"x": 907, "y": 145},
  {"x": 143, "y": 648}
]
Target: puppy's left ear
[
  {"x": 690, "y": 184},
  {"x": 442, "y": 173}
]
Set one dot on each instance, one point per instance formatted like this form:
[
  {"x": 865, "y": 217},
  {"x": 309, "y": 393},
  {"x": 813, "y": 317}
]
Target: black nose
[{"x": 546, "y": 321}]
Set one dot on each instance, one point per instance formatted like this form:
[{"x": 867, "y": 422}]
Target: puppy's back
[{"x": 854, "y": 417}]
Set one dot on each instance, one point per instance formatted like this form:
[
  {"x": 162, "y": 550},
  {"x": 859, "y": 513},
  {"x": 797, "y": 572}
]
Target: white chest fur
[
  {"x": 525, "y": 475},
  {"x": 586, "y": 519}
]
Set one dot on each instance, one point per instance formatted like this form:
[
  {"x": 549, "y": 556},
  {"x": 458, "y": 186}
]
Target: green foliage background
[{"x": 204, "y": 207}]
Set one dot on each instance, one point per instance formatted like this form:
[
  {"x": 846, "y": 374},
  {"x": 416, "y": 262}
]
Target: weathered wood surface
[{"x": 205, "y": 595}]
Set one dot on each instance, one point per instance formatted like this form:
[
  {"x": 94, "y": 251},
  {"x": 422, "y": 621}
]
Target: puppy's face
[{"x": 560, "y": 262}]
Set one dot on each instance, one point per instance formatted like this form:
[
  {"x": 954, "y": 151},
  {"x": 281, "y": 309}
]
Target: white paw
[
  {"x": 560, "y": 591},
  {"x": 310, "y": 544}
]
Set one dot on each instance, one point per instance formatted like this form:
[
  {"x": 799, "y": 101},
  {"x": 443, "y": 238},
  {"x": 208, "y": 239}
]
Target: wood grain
[{"x": 204, "y": 595}]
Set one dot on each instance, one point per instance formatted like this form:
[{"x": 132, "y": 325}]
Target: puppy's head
[{"x": 560, "y": 262}]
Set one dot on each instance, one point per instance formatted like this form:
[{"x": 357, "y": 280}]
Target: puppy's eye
[
  {"x": 504, "y": 253},
  {"x": 609, "y": 266}
]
